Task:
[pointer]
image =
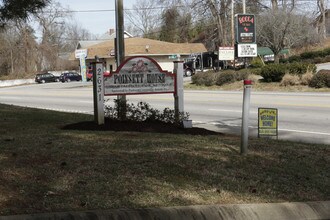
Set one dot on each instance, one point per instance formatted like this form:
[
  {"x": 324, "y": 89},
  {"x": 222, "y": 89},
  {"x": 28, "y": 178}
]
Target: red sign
[{"x": 139, "y": 75}]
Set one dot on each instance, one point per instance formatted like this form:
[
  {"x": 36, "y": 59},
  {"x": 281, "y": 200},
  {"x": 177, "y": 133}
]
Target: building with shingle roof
[{"x": 163, "y": 52}]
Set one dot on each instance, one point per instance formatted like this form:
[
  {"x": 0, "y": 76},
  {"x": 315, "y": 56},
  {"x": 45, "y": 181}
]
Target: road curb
[{"x": 269, "y": 211}]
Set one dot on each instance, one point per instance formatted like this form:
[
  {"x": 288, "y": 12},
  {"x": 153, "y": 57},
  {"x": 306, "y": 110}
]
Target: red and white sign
[
  {"x": 226, "y": 53},
  {"x": 139, "y": 75}
]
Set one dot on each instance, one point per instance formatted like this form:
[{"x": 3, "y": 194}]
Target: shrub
[
  {"x": 300, "y": 68},
  {"x": 205, "y": 78},
  {"x": 320, "y": 79},
  {"x": 294, "y": 59},
  {"x": 226, "y": 77},
  {"x": 143, "y": 112},
  {"x": 242, "y": 74},
  {"x": 290, "y": 80},
  {"x": 256, "y": 63},
  {"x": 306, "y": 78},
  {"x": 273, "y": 72}
]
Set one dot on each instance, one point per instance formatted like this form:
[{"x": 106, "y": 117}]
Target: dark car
[
  {"x": 70, "y": 76},
  {"x": 46, "y": 77}
]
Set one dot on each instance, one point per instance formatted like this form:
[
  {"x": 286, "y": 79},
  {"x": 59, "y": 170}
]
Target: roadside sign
[
  {"x": 226, "y": 53},
  {"x": 174, "y": 56},
  {"x": 246, "y": 50},
  {"x": 245, "y": 29},
  {"x": 139, "y": 75},
  {"x": 267, "y": 122},
  {"x": 81, "y": 53}
]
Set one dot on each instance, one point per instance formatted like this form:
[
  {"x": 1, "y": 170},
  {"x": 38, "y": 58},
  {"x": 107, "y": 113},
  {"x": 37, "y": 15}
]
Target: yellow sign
[{"x": 267, "y": 122}]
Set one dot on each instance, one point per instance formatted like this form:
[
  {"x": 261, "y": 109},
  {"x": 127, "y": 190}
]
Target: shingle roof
[{"x": 144, "y": 46}]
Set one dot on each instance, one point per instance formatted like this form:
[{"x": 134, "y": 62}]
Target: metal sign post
[{"x": 245, "y": 116}]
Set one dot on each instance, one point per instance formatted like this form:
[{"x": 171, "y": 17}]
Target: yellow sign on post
[{"x": 267, "y": 122}]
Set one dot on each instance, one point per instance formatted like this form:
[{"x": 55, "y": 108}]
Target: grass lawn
[{"x": 46, "y": 168}]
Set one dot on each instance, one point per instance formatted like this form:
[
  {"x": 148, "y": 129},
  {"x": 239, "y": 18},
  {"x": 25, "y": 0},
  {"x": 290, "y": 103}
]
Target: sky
[{"x": 98, "y": 22}]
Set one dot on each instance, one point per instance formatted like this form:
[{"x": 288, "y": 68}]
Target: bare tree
[
  {"x": 52, "y": 23},
  {"x": 144, "y": 18},
  {"x": 279, "y": 29}
]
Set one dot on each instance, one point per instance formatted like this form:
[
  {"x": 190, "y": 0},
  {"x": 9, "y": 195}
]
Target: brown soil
[{"x": 156, "y": 127}]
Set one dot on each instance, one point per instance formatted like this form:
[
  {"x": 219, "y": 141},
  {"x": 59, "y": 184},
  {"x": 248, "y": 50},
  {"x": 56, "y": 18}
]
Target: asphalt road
[{"x": 303, "y": 117}]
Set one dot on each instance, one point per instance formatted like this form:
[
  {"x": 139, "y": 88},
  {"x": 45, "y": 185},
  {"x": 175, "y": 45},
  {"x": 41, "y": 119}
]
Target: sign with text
[
  {"x": 139, "y": 75},
  {"x": 245, "y": 29},
  {"x": 226, "y": 53},
  {"x": 246, "y": 50},
  {"x": 267, "y": 122},
  {"x": 81, "y": 53}
]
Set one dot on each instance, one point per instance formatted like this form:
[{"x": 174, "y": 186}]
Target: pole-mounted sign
[{"x": 245, "y": 29}]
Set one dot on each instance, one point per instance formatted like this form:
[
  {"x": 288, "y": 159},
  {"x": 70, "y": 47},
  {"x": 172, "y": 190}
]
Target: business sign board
[
  {"x": 247, "y": 50},
  {"x": 81, "y": 53},
  {"x": 245, "y": 29},
  {"x": 267, "y": 122},
  {"x": 139, "y": 75},
  {"x": 226, "y": 53}
]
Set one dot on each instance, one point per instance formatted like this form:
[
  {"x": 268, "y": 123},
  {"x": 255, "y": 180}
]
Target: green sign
[{"x": 267, "y": 122}]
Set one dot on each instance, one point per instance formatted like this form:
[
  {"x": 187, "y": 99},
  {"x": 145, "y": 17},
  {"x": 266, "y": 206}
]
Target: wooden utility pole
[{"x": 120, "y": 52}]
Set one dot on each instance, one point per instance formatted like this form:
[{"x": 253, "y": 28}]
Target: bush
[
  {"x": 205, "y": 78},
  {"x": 306, "y": 78},
  {"x": 290, "y": 80},
  {"x": 300, "y": 68},
  {"x": 273, "y": 72},
  {"x": 226, "y": 77},
  {"x": 256, "y": 63},
  {"x": 320, "y": 79}
]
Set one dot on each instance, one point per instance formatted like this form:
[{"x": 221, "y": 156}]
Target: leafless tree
[{"x": 144, "y": 17}]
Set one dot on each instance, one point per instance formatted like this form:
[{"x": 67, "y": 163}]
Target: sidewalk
[{"x": 267, "y": 211}]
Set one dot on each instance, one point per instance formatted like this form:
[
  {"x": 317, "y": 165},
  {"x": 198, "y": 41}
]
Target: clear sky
[{"x": 98, "y": 22}]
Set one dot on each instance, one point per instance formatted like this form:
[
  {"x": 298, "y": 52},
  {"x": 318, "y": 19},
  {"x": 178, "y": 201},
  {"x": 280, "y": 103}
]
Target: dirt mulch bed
[{"x": 150, "y": 126}]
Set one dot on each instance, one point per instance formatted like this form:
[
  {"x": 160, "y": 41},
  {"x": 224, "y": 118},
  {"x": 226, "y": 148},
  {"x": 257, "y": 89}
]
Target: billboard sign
[
  {"x": 245, "y": 29},
  {"x": 139, "y": 75}
]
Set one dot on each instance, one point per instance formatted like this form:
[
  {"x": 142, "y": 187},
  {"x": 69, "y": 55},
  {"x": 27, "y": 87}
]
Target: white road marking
[{"x": 280, "y": 129}]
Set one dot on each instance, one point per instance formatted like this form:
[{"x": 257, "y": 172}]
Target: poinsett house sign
[{"x": 139, "y": 75}]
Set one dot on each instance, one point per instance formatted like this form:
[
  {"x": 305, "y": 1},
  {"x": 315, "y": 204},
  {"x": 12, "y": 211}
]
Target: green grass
[{"x": 45, "y": 168}]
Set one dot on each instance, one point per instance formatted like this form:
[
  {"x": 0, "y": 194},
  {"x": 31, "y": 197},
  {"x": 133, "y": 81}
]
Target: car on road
[
  {"x": 46, "y": 77},
  {"x": 70, "y": 76}
]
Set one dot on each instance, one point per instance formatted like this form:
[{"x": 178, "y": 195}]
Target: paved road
[{"x": 302, "y": 116}]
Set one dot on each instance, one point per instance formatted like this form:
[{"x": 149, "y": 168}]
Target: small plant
[
  {"x": 290, "y": 80},
  {"x": 306, "y": 78},
  {"x": 206, "y": 78},
  {"x": 143, "y": 112}
]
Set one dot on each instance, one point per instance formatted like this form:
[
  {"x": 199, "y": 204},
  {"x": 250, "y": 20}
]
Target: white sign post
[
  {"x": 178, "y": 95},
  {"x": 82, "y": 54},
  {"x": 98, "y": 93}
]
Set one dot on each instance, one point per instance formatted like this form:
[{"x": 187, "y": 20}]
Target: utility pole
[
  {"x": 120, "y": 51},
  {"x": 232, "y": 24},
  {"x": 244, "y": 6}
]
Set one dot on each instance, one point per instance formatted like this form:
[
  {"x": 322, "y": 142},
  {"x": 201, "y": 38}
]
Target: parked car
[
  {"x": 70, "y": 76},
  {"x": 46, "y": 77}
]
